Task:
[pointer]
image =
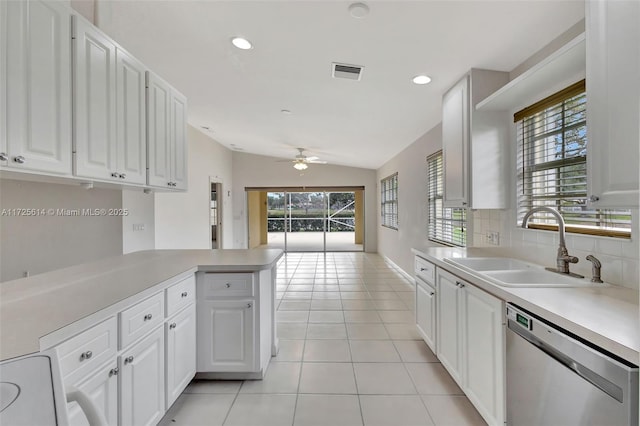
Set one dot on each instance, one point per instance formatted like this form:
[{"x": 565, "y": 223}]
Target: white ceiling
[{"x": 239, "y": 94}]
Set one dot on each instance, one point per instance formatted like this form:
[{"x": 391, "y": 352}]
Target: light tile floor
[{"x": 349, "y": 355}]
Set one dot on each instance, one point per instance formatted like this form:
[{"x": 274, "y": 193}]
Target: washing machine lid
[{"x": 26, "y": 392}]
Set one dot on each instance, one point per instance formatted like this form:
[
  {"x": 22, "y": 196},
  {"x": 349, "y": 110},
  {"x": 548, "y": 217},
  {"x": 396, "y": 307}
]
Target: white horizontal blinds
[
  {"x": 389, "y": 201},
  {"x": 552, "y": 164},
  {"x": 446, "y": 225}
]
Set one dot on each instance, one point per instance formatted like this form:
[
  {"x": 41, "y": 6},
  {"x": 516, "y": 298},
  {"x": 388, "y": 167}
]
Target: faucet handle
[
  {"x": 595, "y": 270},
  {"x": 570, "y": 259}
]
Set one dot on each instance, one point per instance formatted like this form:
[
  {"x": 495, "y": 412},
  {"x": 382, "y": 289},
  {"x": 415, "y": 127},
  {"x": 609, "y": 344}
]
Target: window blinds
[
  {"x": 552, "y": 165},
  {"x": 446, "y": 225},
  {"x": 389, "y": 201}
]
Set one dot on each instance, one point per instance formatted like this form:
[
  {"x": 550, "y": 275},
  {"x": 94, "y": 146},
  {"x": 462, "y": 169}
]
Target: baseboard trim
[{"x": 409, "y": 277}]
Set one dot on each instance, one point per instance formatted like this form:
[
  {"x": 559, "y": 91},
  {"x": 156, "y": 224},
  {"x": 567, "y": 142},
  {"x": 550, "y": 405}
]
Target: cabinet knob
[
  {"x": 128, "y": 360},
  {"x": 459, "y": 284},
  {"x": 168, "y": 183},
  {"x": 114, "y": 372},
  {"x": 431, "y": 294},
  {"x": 423, "y": 269},
  {"x": 20, "y": 159},
  {"x": 594, "y": 198},
  {"x": 249, "y": 305},
  {"x": 228, "y": 285},
  {"x": 172, "y": 326},
  {"x": 184, "y": 294},
  {"x": 115, "y": 175},
  {"x": 123, "y": 175},
  {"x": 148, "y": 317},
  {"x": 3, "y": 156},
  {"x": 86, "y": 355}
]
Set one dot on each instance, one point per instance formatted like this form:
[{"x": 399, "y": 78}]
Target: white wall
[
  {"x": 411, "y": 165},
  {"x": 43, "y": 243},
  {"x": 182, "y": 219},
  {"x": 251, "y": 170},
  {"x": 140, "y": 208}
]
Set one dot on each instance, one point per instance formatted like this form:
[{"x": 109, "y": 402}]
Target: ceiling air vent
[{"x": 350, "y": 72}]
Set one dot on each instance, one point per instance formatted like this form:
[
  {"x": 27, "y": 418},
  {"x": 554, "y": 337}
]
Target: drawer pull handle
[
  {"x": 172, "y": 326},
  {"x": 228, "y": 285},
  {"x": 423, "y": 269},
  {"x": 431, "y": 294},
  {"x": 184, "y": 294},
  {"x": 86, "y": 355},
  {"x": 115, "y": 175},
  {"x": 114, "y": 372},
  {"x": 128, "y": 360},
  {"x": 249, "y": 305},
  {"x": 148, "y": 317}
]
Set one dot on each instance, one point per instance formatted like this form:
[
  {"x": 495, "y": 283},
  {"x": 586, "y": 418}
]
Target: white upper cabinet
[
  {"x": 110, "y": 106},
  {"x": 131, "y": 141},
  {"x": 475, "y": 144},
  {"x": 167, "y": 144},
  {"x": 613, "y": 112},
  {"x": 95, "y": 102},
  {"x": 36, "y": 118}
]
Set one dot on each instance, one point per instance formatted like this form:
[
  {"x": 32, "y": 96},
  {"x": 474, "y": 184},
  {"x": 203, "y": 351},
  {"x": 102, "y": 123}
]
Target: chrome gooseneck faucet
[{"x": 562, "y": 259}]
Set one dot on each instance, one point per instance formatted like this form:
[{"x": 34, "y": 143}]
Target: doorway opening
[
  {"x": 215, "y": 216},
  {"x": 316, "y": 220}
]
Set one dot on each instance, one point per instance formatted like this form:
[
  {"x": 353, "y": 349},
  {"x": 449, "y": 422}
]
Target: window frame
[
  {"x": 389, "y": 197},
  {"x": 436, "y": 224},
  {"x": 544, "y": 179}
]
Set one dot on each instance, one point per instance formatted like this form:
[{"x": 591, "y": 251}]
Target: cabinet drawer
[
  {"x": 93, "y": 347},
  {"x": 425, "y": 270},
  {"x": 227, "y": 285},
  {"x": 180, "y": 295},
  {"x": 140, "y": 319}
]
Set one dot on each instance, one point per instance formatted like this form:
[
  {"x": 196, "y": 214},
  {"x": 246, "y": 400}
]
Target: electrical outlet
[
  {"x": 493, "y": 238},
  {"x": 138, "y": 226}
]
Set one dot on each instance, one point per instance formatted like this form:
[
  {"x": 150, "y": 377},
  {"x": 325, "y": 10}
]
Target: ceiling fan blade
[
  {"x": 317, "y": 162},
  {"x": 312, "y": 158},
  {"x": 285, "y": 161}
]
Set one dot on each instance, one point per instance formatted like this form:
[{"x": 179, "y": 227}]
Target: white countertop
[
  {"x": 607, "y": 316},
  {"x": 33, "y": 307}
]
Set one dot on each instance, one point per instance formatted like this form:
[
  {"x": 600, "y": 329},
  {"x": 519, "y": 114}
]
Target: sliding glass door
[{"x": 315, "y": 221}]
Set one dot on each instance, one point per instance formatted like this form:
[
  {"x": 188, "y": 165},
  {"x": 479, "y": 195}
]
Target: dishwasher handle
[{"x": 587, "y": 374}]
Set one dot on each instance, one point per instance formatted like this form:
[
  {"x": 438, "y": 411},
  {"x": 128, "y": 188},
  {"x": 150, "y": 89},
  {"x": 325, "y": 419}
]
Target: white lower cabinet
[
  {"x": 483, "y": 353},
  {"x": 470, "y": 343},
  {"x": 142, "y": 381},
  {"x": 226, "y": 335},
  {"x": 426, "y": 312},
  {"x": 180, "y": 333},
  {"x": 449, "y": 323},
  {"x": 102, "y": 390}
]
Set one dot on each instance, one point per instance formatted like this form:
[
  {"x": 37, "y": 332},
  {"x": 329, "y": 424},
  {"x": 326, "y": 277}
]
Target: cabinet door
[
  {"x": 613, "y": 66},
  {"x": 181, "y": 352},
  {"x": 95, "y": 103},
  {"x": 449, "y": 322},
  {"x": 455, "y": 144},
  {"x": 142, "y": 381},
  {"x": 178, "y": 141},
  {"x": 483, "y": 349},
  {"x": 131, "y": 127},
  {"x": 158, "y": 133},
  {"x": 36, "y": 40},
  {"x": 426, "y": 313},
  {"x": 226, "y": 336},
  {"x": 102, "y": 388}
]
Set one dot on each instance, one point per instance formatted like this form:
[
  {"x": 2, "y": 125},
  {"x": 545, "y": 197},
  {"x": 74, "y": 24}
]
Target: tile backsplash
[{"x": 620, "y": 258}]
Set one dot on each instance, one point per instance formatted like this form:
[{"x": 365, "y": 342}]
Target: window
[
  {"x": 389, "y": 201},
  {"x": 552, "y": 166},
  {"x": 446, "y": 225}
]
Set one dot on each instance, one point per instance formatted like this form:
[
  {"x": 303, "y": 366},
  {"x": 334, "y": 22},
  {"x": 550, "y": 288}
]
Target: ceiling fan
[{"x": 301, "y": 161}]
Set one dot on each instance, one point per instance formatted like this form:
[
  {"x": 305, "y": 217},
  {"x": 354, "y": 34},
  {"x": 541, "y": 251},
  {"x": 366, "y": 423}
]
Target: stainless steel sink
[{"x": 508, "y": 272}]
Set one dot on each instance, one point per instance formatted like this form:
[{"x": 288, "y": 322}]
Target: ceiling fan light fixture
[
  {"x": 300, "y": 166},
  {"x": 241, "y": 43}
]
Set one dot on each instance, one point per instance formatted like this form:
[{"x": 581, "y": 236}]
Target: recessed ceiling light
[
  {"x": 241, "y": 43},
  {"x": 358, "y": 10},
  {"x": 421, "y": 79},
  {"x": 285, "y": 111}
]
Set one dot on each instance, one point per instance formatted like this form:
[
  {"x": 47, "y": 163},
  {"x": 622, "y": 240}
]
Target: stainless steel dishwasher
[{"x": 555, "y": 378}]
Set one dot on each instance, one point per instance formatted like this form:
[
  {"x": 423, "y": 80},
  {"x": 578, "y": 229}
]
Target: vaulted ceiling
[{"x": 239, "y": 94}]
